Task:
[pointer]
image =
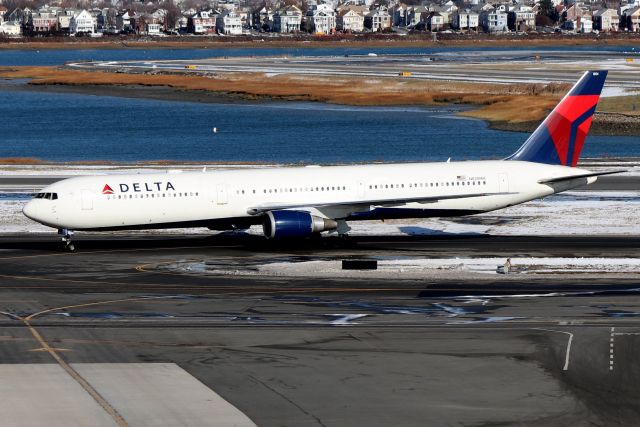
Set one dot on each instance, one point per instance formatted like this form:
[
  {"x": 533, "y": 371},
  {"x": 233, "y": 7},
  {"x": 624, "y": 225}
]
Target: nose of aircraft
[{"x": 30, "y": 211}]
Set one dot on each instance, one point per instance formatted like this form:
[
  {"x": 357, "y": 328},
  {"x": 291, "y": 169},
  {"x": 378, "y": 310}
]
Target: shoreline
[
  {"x": 334, "y": 41},
  {"x": 604, "y": 123}
]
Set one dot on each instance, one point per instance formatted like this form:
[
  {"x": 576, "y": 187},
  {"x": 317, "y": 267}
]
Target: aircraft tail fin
[{"x": 560, "y": 138}]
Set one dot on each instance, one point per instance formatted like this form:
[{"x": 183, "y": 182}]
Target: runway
[
  {"x": 539, "y": 350},
  {"x": 499, "y": 66}
]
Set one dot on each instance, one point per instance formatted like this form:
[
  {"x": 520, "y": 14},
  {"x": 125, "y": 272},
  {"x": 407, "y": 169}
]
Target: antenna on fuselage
[{"x": 449, "y": 160}]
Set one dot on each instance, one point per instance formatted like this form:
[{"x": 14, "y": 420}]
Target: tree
[
  {"x": 547, "y": 9},
  {"x": 172, "y": 14}
]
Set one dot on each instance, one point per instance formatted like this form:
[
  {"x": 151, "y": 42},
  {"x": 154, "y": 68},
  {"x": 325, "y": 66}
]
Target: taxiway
[{"x": 541, "y": 350}]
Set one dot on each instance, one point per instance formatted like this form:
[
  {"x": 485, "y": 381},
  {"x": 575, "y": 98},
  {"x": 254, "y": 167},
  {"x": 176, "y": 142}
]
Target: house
[
  {"x": 287, "y": 20},
  {"x": 399, "y": 15},
  {"x": 82, "y": 22},
  {"x": 21, "y": 16},
  {"x": 11, "y": 28},
  {"x": 465, "y": 20},
  {"x": 42, "y": 22},
  {"x": 229, "y": 23},
  {"x": 377, "y": 19},
  {"x": 321, "y": 19},
  {"x": 350, "y": 20},
  {"x": 418, "y": 14},
  {"x": 263, "y": 19},
  {"x": 3, "y": 12},
  {"x": 64, "y": 20},
  {"x": 493, "y": 21},
  {"x": 521, "y": 18},
  {"x": 606, "y": 20},
  {"x": 203, "y": 22},
  {"x": 148, "y": 23},
  {"x": 586, "y": 25},
  {"x": 631, "y": 19},
  {"x": 435, "y": 22},
  {"x": 125, "y": 22},
  {"x": 246, "y": 17},
  {"x": 106, "y": 20}
]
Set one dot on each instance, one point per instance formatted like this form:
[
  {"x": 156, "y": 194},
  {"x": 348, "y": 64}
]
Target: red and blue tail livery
[{"x": 560, "y": 138}]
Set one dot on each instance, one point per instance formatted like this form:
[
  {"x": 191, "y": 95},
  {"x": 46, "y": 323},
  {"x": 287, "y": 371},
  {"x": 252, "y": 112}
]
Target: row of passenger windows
[
  {"x": 294, "y": 190},
  {"x": 48, "y": 196},
  {"x": 371, "y": 187},
  {"x": 428, "y": 184},
  {"x": 150, "y": 195}
]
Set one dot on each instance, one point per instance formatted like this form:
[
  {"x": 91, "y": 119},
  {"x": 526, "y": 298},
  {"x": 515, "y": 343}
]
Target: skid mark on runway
[{"x": 271, "y": 389}]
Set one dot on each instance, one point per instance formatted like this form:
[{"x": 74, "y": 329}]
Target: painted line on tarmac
[
  {"x": 567, "y": 352},
  {"x": 611, "y": 347}
]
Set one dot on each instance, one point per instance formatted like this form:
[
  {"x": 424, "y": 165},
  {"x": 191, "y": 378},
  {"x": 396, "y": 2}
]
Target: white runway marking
[
  {"x": 568, "y": 350},
  {"x": 611, "y": 346}
]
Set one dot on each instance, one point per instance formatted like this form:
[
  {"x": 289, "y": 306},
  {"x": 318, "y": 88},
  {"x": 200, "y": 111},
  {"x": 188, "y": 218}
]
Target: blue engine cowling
[{"x": 294, "y": 224}]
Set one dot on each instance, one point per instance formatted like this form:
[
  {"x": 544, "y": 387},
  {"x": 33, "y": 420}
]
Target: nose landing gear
[{"x": 66, "y": 239}]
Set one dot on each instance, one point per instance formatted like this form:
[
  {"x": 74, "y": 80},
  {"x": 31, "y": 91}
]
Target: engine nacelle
[{"x": 289, "y": 224}]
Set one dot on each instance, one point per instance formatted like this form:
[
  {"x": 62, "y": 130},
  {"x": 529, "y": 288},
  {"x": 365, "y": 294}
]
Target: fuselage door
[
  {"x": 221, "y": 194},
  {"x": 87, "y": 200},
  {"x": 503, "y": 183},
  {"x": 361, "y": 189}
]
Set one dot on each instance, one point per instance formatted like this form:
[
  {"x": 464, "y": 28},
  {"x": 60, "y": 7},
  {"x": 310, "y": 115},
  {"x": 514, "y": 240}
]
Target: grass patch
[
  {"x": 620, "y": 104},
  {"x": 20, "y": 161},
  {"x": 504, "y": 103}
]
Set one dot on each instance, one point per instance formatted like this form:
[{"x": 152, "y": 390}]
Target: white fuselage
[{"x": 169, "y": 200}]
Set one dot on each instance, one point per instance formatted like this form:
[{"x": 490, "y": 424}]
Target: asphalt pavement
[{"x": 284, "y": 351}]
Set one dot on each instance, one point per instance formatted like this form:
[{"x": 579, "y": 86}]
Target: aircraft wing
[
  {"x": 570, "y": 177},
  {"x": 255, "y": 210}
]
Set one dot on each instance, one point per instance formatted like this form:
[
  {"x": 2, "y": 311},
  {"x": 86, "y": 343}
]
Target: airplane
[{"x": 300, "y": 202}]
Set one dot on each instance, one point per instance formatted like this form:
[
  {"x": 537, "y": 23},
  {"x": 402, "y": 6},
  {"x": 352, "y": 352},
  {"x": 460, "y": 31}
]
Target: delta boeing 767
[{"x": 297, "y": 202}]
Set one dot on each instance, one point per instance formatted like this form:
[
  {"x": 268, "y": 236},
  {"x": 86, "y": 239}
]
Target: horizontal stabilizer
[{"x": 570, "y": 177}]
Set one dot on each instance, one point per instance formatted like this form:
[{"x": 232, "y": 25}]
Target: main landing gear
[{"x": 66, "y": 239}]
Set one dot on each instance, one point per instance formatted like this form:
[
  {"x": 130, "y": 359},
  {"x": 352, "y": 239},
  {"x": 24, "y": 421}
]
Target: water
[
  {"x": 73, "y": 127},
  {"x": 33, "y": 57}
]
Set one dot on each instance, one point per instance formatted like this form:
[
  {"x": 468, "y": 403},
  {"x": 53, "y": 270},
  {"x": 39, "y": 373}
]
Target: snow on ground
[
  {"x": 609, "y": 92},
  {"x": 422, "y": 267},
  {"x": 569, "y": 213},
  {"x": 62, "y": 170}
]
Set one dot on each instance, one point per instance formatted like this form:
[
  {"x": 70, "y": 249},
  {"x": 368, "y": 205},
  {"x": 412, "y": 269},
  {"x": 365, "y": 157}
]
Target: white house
[
  {"x": 377, "y": 19},
  {"x": 586, "y": 25},
  {"x": 493, "y": 21},
  {"x": 229, "y": 23},
  {"x": 465, "y": 20},
  {"x": 11, "y": 28},
  {"x": 322, "y": 19},
  {"x": 287, "y": 19},
  {"x": 82, "y": 22},
  {"x": 350, "y": 20}
]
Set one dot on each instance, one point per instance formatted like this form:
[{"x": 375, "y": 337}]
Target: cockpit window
[{"x": 48, "y": 196}]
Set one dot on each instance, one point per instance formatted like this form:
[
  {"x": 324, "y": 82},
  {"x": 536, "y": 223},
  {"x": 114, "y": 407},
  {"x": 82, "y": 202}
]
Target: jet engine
[{"x": 291, "y": 224}]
